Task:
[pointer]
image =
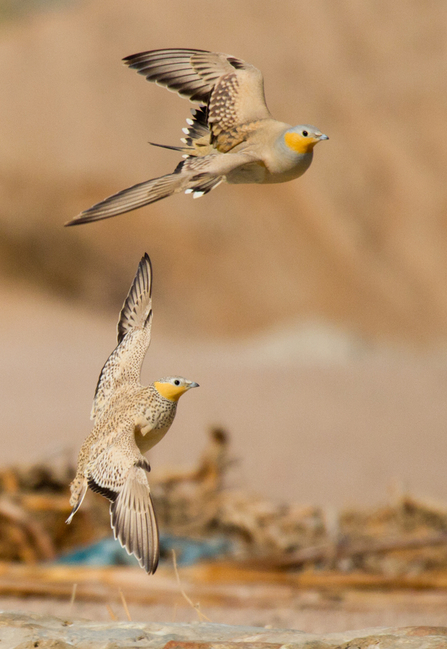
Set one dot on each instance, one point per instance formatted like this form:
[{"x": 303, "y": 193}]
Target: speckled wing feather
[
  {"x": 134, "y": 336},
  {"x": 119, "y": 474},
  {"x": 138, "y": 302},
  {"x": 232, "y": 89}
]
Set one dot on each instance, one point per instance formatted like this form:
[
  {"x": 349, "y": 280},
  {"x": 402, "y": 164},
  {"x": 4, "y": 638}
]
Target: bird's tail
[
  {"x": 149, "y": 192},
  {"x": 133, "y": 520},
  {"x": 132, "y": 198},
  {"x": 197, "y": 142},
  {"x": 78, "y": 490}
]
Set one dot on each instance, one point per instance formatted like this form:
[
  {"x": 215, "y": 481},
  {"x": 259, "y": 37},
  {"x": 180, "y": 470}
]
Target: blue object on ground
[
  {"x": 106, "y": 552},
  {"x": 189, "y": 551},
  {"x": 109, "y": 552}
]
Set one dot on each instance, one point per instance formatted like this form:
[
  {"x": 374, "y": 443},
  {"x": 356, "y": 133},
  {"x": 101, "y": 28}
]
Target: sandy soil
[{"x": 310, "y": 611}]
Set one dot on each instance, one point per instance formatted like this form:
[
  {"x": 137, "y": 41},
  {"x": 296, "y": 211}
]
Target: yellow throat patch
[
  {"x": 169, "y": 391},
  {"x": 299, "y": 143}
]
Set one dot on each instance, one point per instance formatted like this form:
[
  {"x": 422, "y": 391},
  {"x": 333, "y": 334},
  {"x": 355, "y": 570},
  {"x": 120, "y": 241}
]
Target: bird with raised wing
[
  {"x": 231, "y": 137},
  {"x": 129, "y": 420}
]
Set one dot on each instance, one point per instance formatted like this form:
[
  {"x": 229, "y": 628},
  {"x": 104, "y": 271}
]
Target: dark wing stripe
[
  {"x": 190, "y": 73},
  {"x": 160, "y": 56},
  {"x": 164, "y": 76},
  {"x": 168, "y": 76},
  {"x": 104, "y": 491}
]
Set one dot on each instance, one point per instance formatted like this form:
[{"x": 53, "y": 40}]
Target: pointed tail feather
[
  {"x": 77, "y": 497},
  {"x": 181, "y": 149},
  {"x": 197, "y": 142},
  {"x": 132, "y": 198},
  {"x": 134, "y": 522}
]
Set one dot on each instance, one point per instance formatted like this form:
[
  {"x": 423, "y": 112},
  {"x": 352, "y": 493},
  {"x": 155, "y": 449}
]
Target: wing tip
[
  {"x": 88, "y": 216},
  {"x": 146, "y": 262},
  {"x": 146, "y": 552},
  {"x": 77, "y": 220}
]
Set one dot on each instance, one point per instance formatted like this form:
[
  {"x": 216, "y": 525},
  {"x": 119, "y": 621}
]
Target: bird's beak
[
  {"x": 324, "y": 137},
  {"x": 193, "y": 384}
]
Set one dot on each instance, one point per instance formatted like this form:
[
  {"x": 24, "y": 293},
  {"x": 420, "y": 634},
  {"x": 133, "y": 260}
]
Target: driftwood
[{"x": 214, "y": 584}]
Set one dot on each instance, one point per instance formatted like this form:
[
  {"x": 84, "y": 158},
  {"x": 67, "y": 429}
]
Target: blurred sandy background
[{"x": 313, "y": 314}]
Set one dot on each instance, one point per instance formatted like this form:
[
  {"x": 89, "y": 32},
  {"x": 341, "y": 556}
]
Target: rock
[{"x": 21, "y": 631}]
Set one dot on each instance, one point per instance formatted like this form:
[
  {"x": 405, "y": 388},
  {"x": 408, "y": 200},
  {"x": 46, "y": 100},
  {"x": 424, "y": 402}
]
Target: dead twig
[
  {"x": 196, "y": 607},
  {"x": 330, "y": 551},
  {"x": 73, "y": 596},
  {"x": 111, "y": 613},
  {"x": 126, "y": 608}
]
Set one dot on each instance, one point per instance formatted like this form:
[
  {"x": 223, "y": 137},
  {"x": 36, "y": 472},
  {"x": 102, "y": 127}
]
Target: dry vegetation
[{"x": 403, "y": 544}]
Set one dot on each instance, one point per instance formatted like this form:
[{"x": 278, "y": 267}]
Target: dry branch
[
  {"x": 332, "y": 552},
  {"x": 221, "y": 584}
]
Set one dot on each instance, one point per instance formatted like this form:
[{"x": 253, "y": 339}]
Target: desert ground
[{"x": 311, "y": 612}]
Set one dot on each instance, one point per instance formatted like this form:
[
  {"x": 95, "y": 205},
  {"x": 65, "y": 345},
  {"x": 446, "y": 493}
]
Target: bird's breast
[
  {"x": 154, "y": 422},
  {"x": 148, "y": 441},
  {"x": 283, "y": 167}
]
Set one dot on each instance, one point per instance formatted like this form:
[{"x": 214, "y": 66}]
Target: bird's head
[
  {"x": 173, "y": 387},
  {"x": 302, "y": 139}
]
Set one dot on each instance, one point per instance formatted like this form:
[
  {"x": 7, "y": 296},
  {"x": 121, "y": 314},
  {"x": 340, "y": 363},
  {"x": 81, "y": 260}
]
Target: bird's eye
[
  {"x": 176, "y": 382},
  {"x": 305, "y": 133}
]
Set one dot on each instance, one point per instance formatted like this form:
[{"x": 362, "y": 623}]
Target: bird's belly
[
  {"x": 270, "y": 171},
  {"x": 285, "y": 170},
  {"x": 254, "y": 172},
  {"x": 146, "y": 442}
]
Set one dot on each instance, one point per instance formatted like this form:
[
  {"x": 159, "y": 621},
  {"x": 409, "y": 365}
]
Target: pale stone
[{"x": 21, "y": 631}]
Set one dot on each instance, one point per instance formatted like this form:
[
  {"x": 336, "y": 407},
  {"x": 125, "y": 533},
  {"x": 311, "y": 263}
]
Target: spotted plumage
[
  {"x": 129, "y": 420},
  {"x": 232, "y": 137}
]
